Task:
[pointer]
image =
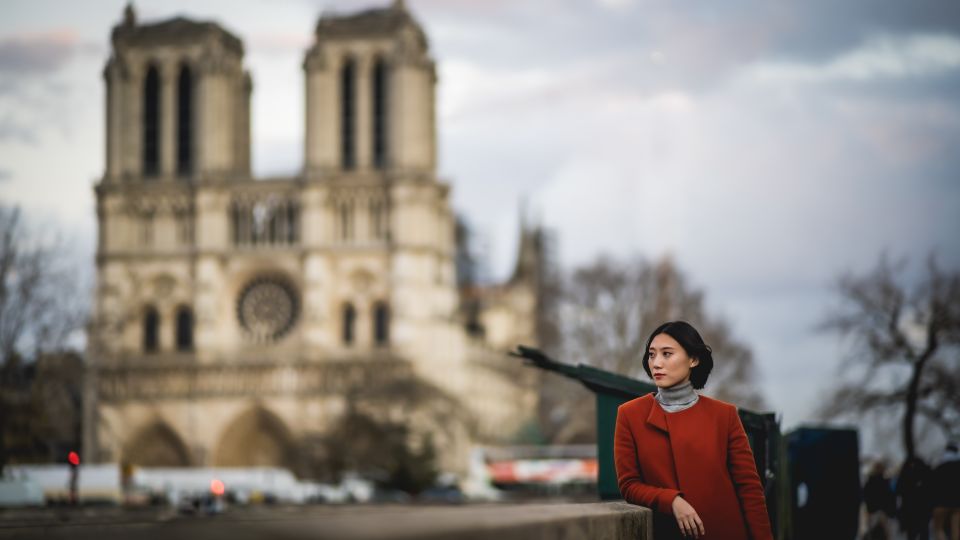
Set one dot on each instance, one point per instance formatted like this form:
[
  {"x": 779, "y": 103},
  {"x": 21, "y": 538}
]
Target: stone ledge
[{"x": 593, "y": 521}]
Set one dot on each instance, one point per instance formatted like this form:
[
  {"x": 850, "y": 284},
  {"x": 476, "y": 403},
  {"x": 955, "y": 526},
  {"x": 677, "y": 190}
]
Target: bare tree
[
  {"x": 906, "y": 340},
  {"x": 606, "y": 314},
  {"x": 39, "y": 304},
  {"x": 390, "y": 432},
  {"x": 42, "y": 302}
]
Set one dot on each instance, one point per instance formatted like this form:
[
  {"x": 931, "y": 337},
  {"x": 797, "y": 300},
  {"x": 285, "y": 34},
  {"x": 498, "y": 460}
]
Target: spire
[
  {"x": 129, "y": 15},
  {"x": 527, "y": 268},
  {"x": 523, "y": 213},
  {"x": 399, "y": 5}
]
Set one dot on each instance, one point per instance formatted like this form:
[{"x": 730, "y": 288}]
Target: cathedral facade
[{"x": 236, "y": 319}]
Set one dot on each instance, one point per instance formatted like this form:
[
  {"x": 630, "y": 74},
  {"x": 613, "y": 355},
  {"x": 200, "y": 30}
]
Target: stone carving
[
  {"x": 163, "y": 286},
  {"x": 177, "y": 381},
  {"x": 361, "y": 280}
]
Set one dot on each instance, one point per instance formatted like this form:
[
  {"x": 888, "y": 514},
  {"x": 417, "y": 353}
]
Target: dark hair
[{"x": 688, "y": 338}]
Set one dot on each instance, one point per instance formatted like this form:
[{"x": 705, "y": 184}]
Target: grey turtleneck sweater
[{"x": 678, "y": 397}]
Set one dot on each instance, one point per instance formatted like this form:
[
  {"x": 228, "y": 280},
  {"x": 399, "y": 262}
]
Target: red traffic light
[
  {"x": 216, "y": 487},
  {"x": 73, "y": 458}
]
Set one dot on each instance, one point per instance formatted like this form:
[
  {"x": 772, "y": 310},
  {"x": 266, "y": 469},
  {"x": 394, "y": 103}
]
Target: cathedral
[{"x": 238, "y": 319}]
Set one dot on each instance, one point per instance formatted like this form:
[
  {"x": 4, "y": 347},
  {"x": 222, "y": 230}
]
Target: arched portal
[
  {"x": 156, "y": 445},
  {"x": 256, "y": 438}
]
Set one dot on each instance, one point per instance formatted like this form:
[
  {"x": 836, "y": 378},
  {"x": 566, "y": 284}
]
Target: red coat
[{"x": 700, "y": 453}]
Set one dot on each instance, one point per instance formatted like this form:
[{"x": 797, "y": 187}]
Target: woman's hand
[{"x": 687, "y": 518}]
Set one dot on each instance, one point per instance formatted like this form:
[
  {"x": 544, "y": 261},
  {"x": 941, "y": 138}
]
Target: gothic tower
[
  {"x": 178, "y": 102},
  {"x": 370, "y": 95},
  {"x": 370, "y": 148}
]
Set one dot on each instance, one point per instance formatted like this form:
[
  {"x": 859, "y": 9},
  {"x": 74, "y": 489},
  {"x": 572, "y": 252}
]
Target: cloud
[
  {"x": 470, "y": 87},
  {"x": 617, "y": 5},
  {"x": 37, "y": 53},
  {"x": 879, "y": 58},
  {"x": 35, "y": 108},
  {"x": 5, "y": 175},
  {"x": 695, "y": 48},
  {"x": 15, "y": 131},
  {"x": 819, "y": 29},
  {"x": 282, "y": 43},
  {"x": 37, "y": 82},
  {"x": 47, "y": 79}
]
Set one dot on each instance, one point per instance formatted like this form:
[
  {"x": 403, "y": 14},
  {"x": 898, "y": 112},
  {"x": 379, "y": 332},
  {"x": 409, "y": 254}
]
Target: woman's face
[{"x": 669, "y": 363}]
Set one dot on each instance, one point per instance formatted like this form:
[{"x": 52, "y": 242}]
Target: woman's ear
[{"x": 694, "y": 362}]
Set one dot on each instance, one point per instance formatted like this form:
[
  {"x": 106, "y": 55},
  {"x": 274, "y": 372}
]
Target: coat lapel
[{"x": 657, "y": 417}]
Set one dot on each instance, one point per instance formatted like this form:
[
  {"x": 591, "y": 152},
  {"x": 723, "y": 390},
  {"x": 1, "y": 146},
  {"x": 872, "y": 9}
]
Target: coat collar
[{"x": 657, "y": 417}]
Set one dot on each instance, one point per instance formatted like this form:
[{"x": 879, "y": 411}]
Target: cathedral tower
[
  {"x": 178, "y": 102},
  {"x": 370, "y": 94}
]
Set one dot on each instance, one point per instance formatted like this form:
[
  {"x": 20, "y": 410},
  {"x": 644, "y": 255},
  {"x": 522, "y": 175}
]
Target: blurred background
[{"x": 784, "y": 176}]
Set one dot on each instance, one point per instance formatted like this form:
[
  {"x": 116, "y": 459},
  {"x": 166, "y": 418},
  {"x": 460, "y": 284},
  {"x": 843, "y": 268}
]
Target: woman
[{"x": 684, "y": 455}]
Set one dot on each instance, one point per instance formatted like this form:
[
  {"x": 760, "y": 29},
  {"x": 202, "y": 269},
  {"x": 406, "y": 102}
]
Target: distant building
[{"x": 236, "y": 318}]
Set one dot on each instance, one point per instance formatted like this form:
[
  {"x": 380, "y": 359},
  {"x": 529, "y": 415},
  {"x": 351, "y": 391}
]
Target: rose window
[{"x": 267, "y": 309}]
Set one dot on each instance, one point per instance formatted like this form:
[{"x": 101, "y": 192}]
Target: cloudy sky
[{"x": 768, "y": 146}]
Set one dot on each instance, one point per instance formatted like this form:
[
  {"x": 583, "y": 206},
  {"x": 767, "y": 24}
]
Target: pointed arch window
[
  {"x": 237, "y": 224},
  {"x": 270, "y": 221},
  {"x": 184, "y": 329},
  {"x": 347, "y": 114},
  {"x": 185, "y": 121},
  {"x": 151, "y": 122},
  {"x": 380, "y": 95},
  {"x": 349, "y": 319},
  {"x": 293, "y": 222},
  {"x": 381, "y": 323},
  {"x": 151, "y": 330}
]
